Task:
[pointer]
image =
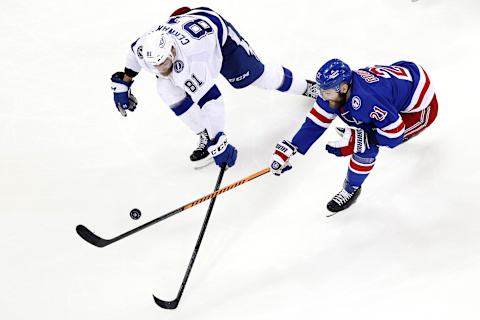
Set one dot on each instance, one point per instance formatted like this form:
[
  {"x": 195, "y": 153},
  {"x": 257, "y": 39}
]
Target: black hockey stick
[
  {"x": 174, "y": 303},
  {"x": 97, "y": 241}
]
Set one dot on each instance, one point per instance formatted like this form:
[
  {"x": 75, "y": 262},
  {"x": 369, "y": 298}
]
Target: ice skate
[{"x": 200, "y": 157}]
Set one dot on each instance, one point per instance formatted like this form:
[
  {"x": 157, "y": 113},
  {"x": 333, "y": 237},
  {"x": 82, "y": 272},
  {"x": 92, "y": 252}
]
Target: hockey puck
[{"x": 135, "y": 214}]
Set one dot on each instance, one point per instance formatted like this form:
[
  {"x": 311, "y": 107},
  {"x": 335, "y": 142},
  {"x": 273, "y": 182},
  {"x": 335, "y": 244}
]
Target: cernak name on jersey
[{"x": 180, "y": 37}]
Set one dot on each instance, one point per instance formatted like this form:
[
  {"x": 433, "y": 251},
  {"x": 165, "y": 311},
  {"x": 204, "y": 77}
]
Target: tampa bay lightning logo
[
  {"x": 356, "y": 102},
  {"x": 178, "y": 66},
  {"x": 161, "y": 44},
  {"x": 140, "y": 52}
]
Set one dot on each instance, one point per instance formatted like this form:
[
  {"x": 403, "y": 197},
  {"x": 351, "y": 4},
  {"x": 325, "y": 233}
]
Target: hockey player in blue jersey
[
  {"x": 186, "y": 53},
  {"x": 383, "y": 106}
]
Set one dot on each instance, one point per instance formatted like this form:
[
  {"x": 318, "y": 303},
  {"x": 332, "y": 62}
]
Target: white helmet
[{"x": 157, "y": 47}]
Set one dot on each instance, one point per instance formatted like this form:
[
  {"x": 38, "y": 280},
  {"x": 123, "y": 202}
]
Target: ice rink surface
[{"x": 408, "y": 249}]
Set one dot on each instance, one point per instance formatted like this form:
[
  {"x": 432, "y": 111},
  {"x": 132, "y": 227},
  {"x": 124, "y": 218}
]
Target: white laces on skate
[
  {"x": 202, "y": 144},
  {"x": 342, "y": 197}
]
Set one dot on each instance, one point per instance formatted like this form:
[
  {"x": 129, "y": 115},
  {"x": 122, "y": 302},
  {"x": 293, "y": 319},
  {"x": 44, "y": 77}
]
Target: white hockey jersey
[{"x": 198, "y": 38}]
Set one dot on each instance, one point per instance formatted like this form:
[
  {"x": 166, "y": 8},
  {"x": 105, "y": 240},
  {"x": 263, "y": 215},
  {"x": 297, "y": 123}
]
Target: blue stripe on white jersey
[
  {"x": 211, "y": 94},
  {"x": 182, "y": 106}
]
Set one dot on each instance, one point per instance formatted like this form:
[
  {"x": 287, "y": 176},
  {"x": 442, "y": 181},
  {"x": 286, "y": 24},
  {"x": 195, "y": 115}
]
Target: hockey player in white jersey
[{"x": 186, "y": 54}]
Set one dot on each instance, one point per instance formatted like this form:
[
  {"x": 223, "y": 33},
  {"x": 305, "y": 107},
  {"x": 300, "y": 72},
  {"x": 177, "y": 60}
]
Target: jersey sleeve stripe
[
  {"x": 211, "y": 94},
  {"x": 182, "y": 106},
  {"x": 393, "y": 125},
  {"x": 320, "y": 117},
  {"x": 423, "y": 93},
  {"x": 322, "y": 111},
  {"x": 425, "y": 99},
  {"x": 424, "y": 89},
  {"x": 418, "y": 90},
  {"x": 393, "y": 130}
]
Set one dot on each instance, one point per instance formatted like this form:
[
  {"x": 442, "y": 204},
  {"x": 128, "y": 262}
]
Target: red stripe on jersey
[
  {"x": 400, "y": 127},
  {"x": 281, "y": 155},
  {"x": 362, "y": 168},
  {"x": 424, "y": 90},
  {"x": 320, "y": 117}
]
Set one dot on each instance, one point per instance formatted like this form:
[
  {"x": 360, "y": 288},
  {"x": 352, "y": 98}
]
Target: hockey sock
[
  {"x": 358, "y": 170},
  {"x": 276, "y": 77},
  {"x": 292, "y": 84}
]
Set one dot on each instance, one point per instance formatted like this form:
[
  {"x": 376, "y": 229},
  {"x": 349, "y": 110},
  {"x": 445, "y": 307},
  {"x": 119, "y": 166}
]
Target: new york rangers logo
[{"x": 356, "y": 102}]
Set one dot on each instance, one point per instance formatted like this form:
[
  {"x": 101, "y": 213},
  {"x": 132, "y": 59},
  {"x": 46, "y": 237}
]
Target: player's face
[
  {"x": 165, "y": 68},
  {"x": 329, "y": 94},
  {"x": 335, "y": 97}
]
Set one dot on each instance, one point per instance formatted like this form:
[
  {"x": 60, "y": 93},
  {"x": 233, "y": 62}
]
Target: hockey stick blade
[
  {"x": 90, "y": 237},
  {"x": 97, "y": 241},
  {"x": 174, "y": 303},
  {"x": 170, "y": 305}
]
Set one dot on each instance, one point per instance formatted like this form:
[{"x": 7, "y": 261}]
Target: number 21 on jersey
[{"x": 388, "y": 71}]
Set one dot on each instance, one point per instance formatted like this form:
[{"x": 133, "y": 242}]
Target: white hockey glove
[
  {"x": 281, "y": 157},
  {"x": 354, "y": 140}
]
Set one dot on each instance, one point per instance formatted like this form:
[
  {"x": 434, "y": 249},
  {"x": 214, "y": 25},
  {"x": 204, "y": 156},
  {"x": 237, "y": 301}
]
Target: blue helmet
[{"x": 332, "y": 74}]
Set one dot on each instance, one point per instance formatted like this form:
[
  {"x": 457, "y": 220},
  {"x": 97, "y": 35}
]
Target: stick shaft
[
  {"x": 92, "y": 238},
  {"x": 226, "y": 188},
  {"x": 174, "y": 303}
]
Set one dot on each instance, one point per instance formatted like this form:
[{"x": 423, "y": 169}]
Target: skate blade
[
  {"x": 202, "y": 163},
  {"x": 331, "y": 214}
]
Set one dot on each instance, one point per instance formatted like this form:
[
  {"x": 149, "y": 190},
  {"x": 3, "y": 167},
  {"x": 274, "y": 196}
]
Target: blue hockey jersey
[{"x": 377, "y": 97}]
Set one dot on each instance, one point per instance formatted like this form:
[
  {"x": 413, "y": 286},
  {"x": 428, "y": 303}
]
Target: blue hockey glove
[
  {"x": 284, "y": 150},
  {"x": 354, "y": 140},
  {"x": 222, "y": 151},
  {"x": 124, "y": 100}
]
